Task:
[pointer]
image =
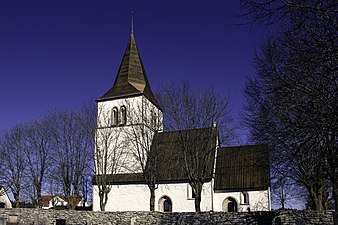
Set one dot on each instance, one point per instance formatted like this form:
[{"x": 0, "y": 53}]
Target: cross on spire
[{"x": 132, "y": 21}]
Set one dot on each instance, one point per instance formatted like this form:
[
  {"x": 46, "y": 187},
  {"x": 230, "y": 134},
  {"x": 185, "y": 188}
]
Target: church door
[
  {"x": 232, "y": 207},
  {"x": 229, "y": 205},
  {"x": 165, "y": 204}
]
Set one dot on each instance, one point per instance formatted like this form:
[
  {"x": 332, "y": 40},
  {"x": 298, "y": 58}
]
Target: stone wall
[
  {"x": 294, "y": 217},
  {"x": 49, "y": 217}
]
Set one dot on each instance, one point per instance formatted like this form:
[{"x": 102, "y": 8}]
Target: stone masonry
[{"x": 26, "y": 216}]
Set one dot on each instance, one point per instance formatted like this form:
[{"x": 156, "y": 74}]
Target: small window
[
  {"x": 123, "y": 119},
  {"x": 115, "y": 116},
  {"x": 245, "y": 198}
]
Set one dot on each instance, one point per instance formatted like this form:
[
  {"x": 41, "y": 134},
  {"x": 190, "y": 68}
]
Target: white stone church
[{"x": 238, "y": 179}]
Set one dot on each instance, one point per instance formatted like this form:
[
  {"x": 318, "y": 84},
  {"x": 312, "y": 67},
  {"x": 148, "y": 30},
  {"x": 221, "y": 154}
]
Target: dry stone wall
[{"x": 71, "y": 217}]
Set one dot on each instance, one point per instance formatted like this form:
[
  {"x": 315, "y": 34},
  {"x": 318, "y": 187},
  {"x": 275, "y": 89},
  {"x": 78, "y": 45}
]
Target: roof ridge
[
  {"x": 192, "y": 129},
  {"x": 243, "y": 146}
]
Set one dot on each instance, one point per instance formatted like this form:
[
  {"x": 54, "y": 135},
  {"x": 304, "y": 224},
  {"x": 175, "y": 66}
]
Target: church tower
[{"x": 128, "y": 116}]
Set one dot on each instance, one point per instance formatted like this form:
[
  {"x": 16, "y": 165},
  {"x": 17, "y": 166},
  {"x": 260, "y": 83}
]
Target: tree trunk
[
  {"x": 152, "y": 198},
  {"x": 17, "y": 200},
  {"x": 198, "y": 191},
  {"x": 283, "y": 203},
  {"x": 76, "y": 189},
  {"x": 282, "y": 200},
  {"x": 38, "y": 196},
  {"x": 103, "y": 200},
  {"x": 335, "y": 194},
  {"x": 317, "y": 198}
]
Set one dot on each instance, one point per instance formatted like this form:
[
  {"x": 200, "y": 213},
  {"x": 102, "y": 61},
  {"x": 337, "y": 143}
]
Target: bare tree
[
  {"x": 185, "y": 109},
  {"x": 145, "y": 120},
  {"x": 37, "y": 149},
  {"x": 13, "y": 163},
  {"x": 296, "y": 88},
  {"x": 73, "y": 150},
  {"x": 275, "y": 114},
  {"x": 284, "y": 192}
]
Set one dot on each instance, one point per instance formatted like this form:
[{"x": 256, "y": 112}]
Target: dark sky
[{"x": 62, "y": 53}]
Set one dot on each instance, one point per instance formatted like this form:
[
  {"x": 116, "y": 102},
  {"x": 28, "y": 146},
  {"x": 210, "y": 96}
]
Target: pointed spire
[{"x": 131, "y": 79}]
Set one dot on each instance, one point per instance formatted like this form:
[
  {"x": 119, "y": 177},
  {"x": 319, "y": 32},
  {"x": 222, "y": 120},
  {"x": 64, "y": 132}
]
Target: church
[{"x": 130, "y": 127}]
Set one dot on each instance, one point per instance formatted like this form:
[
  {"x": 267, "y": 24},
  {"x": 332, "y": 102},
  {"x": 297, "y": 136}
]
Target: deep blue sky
[{"x": 62, "y": 53}]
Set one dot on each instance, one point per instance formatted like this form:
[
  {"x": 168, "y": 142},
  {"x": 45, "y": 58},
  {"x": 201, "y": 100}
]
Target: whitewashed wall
[
  {"x": 133, "y": 105},
  {"x": 138, "y": 110},
  {"x": 135, "y": 197},
  {"x": 258, "y": 200}
]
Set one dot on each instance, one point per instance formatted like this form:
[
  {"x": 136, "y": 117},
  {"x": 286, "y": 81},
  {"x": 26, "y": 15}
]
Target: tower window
[
  {"x": 115, "y": 116},
  {"x": 153, "y": 119},
  {"x": 123, "y": 120}
]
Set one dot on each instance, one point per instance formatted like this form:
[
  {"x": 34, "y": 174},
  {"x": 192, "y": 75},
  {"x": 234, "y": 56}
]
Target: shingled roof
[
  {"x": 242, "y": 167},
  {"x": 169, "y": 147},
  {"x": 170, "y": 156},
  {"x": 131, "y": 79},
  {"x": 237, "y": 168}
]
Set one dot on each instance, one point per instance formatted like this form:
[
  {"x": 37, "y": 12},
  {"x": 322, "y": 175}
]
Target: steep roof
[
  {"x": 131, "y": 79},
  {"x": 168, "y": 147},
  {"x": 242, "y": 167},
  {"x": 237, "y": 168}
]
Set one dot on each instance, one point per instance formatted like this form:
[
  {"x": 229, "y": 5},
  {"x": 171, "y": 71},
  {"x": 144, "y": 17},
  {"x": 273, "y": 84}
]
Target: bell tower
[{"x": 126, "y": 111}]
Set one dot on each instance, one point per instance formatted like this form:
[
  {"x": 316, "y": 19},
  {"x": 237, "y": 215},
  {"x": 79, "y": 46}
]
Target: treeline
[
  {"x": 292, "y": 101},
  {"x": 51, "y": 155}
]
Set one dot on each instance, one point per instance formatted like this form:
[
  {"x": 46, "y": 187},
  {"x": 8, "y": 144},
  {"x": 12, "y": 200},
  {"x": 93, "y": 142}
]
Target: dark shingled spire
[{"x": 131, "y": 79}]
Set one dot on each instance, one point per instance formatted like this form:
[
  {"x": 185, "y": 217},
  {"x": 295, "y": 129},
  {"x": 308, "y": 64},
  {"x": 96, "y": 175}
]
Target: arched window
[
  {"x": 123, "y": 119},
  {"x": 165, "y": 204},
  {"x": 115, "y": 116},
  {"x": 245, "y": 198},
  {"x": 153, "y": 119}
]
